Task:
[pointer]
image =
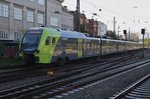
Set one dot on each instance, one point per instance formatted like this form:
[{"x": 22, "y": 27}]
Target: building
[
  {"x": 83, "y": 23},
  {"x": 66, "y": 19},
  {"x": 16, "y": 16},
  {"x": 102, "y": 29},
  {"x": 90, "y": 26},
  {"x": 93, "y": 27},
  {"x": 133, "y": 37},
  {"x": 58, "y": 16},
  {"x": 86, "y": 25}
]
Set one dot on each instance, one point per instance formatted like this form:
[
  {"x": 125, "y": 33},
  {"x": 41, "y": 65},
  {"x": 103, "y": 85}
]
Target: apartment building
[
  {"x": 16, "y": 16},
  {"x": 90, "y": 26}
]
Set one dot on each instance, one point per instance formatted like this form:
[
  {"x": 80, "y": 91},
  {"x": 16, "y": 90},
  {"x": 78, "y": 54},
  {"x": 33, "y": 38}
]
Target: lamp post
[
  {"x": 143, "y": 33},
  {"x": 118, "y": 39},
  {"x": 78, "y": 16},
  {"x": 114, "y": 24},
  {"x": 45, "y": 12},
  {"x": 148, "y": 39},
  {"x": 100, "y": 39},
  {"x": 129, "y": 33},
  {"x": 125, "y": 33}
]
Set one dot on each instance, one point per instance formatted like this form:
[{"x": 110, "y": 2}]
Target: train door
[
  {"x": 79, "y": 47},
  {"x": 45, "y": 51},
  {"x": 50, "y": 44},
  {"x": 53, "y": 45}
]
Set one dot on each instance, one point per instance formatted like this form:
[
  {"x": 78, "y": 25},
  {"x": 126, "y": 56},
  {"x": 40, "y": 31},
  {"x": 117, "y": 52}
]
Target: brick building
[
  {"x": 93, "y": 27},
  {"x": 89, "y": 26}
]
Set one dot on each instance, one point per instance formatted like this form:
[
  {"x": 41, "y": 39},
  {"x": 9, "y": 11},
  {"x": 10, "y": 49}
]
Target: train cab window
[
  {"x": 47, "y": 41},
  {"x": 53, "y": 41}
]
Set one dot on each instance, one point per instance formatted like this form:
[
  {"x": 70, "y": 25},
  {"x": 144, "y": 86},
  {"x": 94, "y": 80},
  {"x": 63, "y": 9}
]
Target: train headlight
[{"x": 37, "y": 51}]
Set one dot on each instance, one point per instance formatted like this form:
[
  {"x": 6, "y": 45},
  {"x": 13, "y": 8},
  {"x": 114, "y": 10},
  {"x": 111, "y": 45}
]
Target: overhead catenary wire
[{"x": 109, "y": 10}]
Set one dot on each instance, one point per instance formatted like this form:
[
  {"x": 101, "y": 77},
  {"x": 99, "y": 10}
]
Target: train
[{"x": 45, "y": 45}]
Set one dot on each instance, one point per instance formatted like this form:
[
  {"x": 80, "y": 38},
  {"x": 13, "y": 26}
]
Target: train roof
[
  {"x": 72, "y": 34},
  {"x": 37, "y": 28},
  {"x": 63, "y": 33}
]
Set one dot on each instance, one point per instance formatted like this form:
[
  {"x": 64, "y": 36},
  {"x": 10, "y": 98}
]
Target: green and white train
[{"x": 45, "y": 45}]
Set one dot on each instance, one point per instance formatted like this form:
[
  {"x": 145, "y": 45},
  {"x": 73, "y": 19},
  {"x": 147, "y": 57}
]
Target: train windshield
[{"x": 31, "y": 39}]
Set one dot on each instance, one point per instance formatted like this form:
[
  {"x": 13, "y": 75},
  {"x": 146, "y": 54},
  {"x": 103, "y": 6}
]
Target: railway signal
[
  {"x": 125, "y": 33},
  {"x": 143, "y": 33}
]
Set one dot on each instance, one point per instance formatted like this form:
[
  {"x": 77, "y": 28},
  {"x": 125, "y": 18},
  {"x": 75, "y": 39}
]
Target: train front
[{"x": 29, "y": 46}]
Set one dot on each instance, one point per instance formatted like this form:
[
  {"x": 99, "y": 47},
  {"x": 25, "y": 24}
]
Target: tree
[
  {"x": 110, "y": 34},
  {"x": 82, "y": 28},
  {"x": 147, "y": 42}
]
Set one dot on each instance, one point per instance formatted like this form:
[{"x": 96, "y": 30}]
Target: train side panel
[{"x": 55, "y": 45}]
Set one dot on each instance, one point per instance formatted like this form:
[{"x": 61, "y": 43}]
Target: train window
[
  {"x": 53, "y": 41},
  {"x": 47, "y": 41}
]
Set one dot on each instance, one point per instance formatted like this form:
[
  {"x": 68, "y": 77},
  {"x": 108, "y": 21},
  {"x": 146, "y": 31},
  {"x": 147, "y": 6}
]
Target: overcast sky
[{"x": 134, "y": 14}]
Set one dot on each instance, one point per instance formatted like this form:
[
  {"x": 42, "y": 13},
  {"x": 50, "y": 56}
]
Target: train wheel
[
  {"x": 60, "y": 62},
  {"x": 29, "y": 61},
  {"x": 66, "y": 60}
]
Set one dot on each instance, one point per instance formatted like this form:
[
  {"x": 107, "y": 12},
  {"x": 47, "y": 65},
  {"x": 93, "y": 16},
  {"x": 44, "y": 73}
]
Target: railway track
[
  {"x": 71, "y": 80},
  {"x": 139, "y": 90},
  {"x": 100, "y": 61},
  {"x": 22, "y": 73}
]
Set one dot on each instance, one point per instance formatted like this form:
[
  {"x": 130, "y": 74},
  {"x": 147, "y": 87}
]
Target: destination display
[{"x": 34, "y": 32}]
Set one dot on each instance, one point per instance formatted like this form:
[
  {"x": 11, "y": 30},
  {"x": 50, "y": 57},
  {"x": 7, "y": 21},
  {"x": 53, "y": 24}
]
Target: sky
[{"x": 133, "y": 14}]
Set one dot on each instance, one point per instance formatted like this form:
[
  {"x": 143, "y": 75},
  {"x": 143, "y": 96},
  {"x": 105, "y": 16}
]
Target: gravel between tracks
[
  {"x": 103, "y": 90},
  {"x": 108, "y": 88}
]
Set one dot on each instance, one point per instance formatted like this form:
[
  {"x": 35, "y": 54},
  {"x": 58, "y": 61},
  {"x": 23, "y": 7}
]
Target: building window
[
  {"x": 18, "y": 35},
  {"x": 41, "y": 2},
  {"x": 30, "y": 16},
  {"x": 18, "y": 13},
  {"x": 62, "y": 26},
  {"x": 3, "y": 34},
  {"x": 53, "y": 21},
  {"x": 40, "y": 18},
  {"x": 3, "y": 10}
]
